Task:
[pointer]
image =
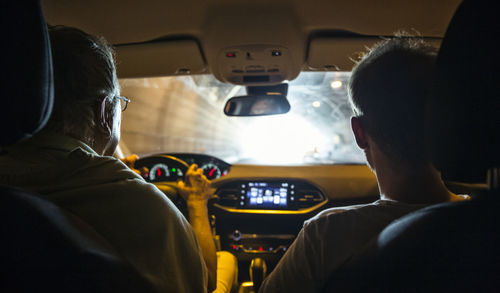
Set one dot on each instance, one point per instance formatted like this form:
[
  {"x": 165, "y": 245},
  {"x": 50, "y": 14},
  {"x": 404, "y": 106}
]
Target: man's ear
[
  {"x": 359, "y": 133},
  {"x": 102, "y": 116}
]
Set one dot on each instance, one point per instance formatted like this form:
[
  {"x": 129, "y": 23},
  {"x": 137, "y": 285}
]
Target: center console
[{"x": 261, "y": 217}]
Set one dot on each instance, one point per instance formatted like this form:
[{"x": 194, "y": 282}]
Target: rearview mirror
[{"x": 259, "y": 105}]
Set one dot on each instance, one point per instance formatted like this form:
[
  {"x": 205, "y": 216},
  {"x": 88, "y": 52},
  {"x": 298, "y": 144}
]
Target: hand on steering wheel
[
  {"x": 196, "y": 186},
  {"x": 130, "y": 162}
]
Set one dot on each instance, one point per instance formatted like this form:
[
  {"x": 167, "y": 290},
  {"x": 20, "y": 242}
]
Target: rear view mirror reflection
[{"x": 260, "y": 105}]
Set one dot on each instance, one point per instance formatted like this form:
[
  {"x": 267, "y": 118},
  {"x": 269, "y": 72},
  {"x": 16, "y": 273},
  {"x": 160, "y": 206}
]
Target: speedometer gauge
[
  {"x": 211, "y": 171},
  {"x": 159, "y": 172}
]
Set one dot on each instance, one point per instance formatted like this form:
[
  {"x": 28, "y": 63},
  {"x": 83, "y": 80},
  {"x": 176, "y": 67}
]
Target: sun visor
[
  {"x": 336, "y": 53},
  {"x": 339, "y": 53},
  {"x": 179, "y": 57}
]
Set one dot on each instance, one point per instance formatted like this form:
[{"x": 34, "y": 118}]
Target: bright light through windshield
[
  {"x": 185, "y": 114},
  {"x": 281, "y": 139}
]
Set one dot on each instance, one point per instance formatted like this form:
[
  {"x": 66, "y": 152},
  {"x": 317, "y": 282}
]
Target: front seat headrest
[
  {"x": 27, "y": 87},
  {"x": 464, "y": 112}
]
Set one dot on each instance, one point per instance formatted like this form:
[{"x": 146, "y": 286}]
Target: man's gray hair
[{"x": 84, "y": 73}]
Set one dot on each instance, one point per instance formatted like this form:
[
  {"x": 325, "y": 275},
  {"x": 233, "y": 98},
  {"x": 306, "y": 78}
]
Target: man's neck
[
  {"x": 88, "y": 140},
  {"x": 411, "y": 184}
]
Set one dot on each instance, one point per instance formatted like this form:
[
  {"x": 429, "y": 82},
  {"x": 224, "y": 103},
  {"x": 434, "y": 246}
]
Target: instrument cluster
[
  {"x": 212, "y": 167},
  {"x": 172, "y": 167}
]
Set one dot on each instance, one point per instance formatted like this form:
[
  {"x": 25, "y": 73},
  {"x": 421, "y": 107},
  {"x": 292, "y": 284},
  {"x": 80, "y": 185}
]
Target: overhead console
[
  {"x": 269, "y": 196},
  {"x": 253, "y": 43},
  {"x": 256, "y": 64}
]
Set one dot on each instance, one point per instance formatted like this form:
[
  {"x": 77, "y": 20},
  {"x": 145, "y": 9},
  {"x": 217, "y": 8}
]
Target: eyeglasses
[{"x": 124, "y": 102}]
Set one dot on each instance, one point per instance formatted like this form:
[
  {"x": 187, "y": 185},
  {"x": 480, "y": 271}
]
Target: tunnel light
[
  {"x": 336, "y": 139},
  {"x": 336, "y": 84},
  {"x": 316, "y": 104},
  {"x": 281, "y": 139}
]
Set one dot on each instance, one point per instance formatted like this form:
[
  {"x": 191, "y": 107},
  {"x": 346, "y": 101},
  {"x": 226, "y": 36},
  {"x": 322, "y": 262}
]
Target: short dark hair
[
  {"x": 84, "y": 72},
  {"x": 388, "y": 90}
]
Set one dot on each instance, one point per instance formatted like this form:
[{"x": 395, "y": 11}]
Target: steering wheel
[{"x": 164, "y": 171}]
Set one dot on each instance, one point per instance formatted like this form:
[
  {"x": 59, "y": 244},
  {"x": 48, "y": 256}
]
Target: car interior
[{"x": 255, "y": 93}]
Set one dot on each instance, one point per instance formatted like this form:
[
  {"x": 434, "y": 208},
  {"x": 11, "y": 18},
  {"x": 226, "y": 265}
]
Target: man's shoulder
[
  {"x": 380, "y": 210},
  {"x": 103, "y": 164},
  {"x": 135, "y": 191},
  {"x": 108, "y": 181},
  {"x": 340, "y": 212}
]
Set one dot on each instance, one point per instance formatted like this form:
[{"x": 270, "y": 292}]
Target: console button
[{"x": 236, "y": 235}]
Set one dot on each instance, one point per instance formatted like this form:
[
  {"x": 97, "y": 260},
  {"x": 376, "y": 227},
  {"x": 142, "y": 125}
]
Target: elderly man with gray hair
[{"x": 70, "y": 163}]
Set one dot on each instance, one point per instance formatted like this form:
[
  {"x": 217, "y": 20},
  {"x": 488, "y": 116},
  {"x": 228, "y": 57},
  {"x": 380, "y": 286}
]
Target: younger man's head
[{"x": 387, "y": 90}]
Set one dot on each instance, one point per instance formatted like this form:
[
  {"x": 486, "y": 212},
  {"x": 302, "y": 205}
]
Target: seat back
[
  {"x": 27, "y": 88},
  {"x": 47, "y": 249},
  {"x": 463, "y": 113},
  {"x": 450, "y": 246},
  {"x": 44, "y": 248}
]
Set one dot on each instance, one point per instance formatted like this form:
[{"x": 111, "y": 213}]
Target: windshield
[{"x": 185, "y": 114}]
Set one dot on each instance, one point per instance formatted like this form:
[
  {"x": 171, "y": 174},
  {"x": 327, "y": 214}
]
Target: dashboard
[
  {"x": 261, "y": 189},
  {"x": 258, "y": 210}
]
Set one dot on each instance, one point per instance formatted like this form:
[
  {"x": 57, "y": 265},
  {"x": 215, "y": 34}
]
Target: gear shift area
[{"x": 258, "y": 272}]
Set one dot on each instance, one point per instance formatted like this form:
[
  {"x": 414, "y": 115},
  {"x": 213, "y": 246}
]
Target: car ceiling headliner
[{"x": 125, "y": 22}]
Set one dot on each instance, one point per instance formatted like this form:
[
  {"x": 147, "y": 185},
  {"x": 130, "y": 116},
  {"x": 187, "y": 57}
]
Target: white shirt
[
  {"x": 135, "y": 217},
  {"x": 328, "y": 240}
]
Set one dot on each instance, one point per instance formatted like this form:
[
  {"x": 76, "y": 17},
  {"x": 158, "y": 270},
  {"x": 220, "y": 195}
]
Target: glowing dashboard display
[{"x": 267, "y": 194}]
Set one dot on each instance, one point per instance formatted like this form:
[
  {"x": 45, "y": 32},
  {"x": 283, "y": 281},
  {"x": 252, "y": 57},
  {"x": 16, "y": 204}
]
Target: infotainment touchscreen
[{"x": 267, "y": 194}]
